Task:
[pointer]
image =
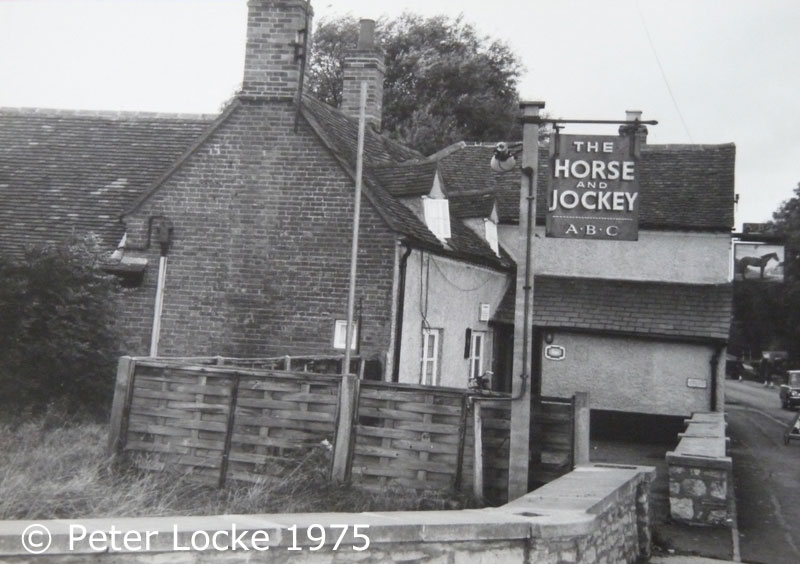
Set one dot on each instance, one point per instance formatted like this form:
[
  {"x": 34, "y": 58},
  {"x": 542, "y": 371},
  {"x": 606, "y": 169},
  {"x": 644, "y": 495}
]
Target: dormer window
[
  {"x": 490, "y": 233},
  {"x": 437, "y": 216}
]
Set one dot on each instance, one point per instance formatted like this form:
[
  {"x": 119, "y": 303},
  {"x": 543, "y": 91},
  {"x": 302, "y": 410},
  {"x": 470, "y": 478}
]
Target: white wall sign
[
  {"x": 696, "y": 383},
  {"x": 554, "y": 352}
]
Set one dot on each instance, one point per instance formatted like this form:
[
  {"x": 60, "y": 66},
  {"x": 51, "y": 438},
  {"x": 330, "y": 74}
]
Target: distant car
[
  {"x": 738, "y": 369},
  {"x": 790, "y": 392},
  {"x": 734, "y": 368}
]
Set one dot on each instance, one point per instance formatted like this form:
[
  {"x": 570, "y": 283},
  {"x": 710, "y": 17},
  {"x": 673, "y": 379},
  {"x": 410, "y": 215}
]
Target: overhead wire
[
  {"x": 663, "y": 73},
  {"x": 489, "y": 277}
]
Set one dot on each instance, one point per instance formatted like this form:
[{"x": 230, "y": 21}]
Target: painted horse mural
[{"x": 755, "y": 262}]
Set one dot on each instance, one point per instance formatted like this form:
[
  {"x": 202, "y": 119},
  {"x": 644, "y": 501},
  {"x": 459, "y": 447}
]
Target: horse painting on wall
[{"x": 757, "y": 261}]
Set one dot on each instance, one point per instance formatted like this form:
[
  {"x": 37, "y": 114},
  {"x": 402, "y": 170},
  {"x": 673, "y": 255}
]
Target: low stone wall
[
  {"x": 597, "y": 513},
  {"x": 700, "y": 473}
]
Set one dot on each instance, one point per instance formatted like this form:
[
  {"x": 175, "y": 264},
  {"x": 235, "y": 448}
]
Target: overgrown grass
[{"x": 57, "y": 471}]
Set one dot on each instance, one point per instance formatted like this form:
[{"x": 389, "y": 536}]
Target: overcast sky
[{"x": 710, "y": 71}]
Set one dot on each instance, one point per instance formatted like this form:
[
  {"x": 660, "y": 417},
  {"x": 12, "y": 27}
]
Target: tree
[
  {"x": 786, "y": 222},
  {"x": 444, "y": 82},
  {"x": 57, "y": 336}
]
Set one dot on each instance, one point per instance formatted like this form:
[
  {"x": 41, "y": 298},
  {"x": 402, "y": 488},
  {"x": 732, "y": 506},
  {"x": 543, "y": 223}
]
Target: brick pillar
[
  {"x": 365, "y": 63},
  {"x": 271, "y": 69}
]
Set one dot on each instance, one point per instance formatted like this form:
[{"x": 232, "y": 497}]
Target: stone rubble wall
[{"x": 700, "y": 473}]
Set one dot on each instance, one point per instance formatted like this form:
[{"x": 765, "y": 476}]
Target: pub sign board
[{"x": 593, "y": 191}]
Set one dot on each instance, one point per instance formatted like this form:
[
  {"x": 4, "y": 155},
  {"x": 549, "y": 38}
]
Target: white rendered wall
[{"x": 453, "y": 292}]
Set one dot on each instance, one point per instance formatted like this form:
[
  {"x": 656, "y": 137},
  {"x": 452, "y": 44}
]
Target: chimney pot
[
  {"x": 633, "y": 115},
  {"x": 366, "y": 35}
]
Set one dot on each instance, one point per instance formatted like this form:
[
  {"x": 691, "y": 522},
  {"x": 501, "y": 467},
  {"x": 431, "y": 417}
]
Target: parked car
[{"x": 790, "y": 391}]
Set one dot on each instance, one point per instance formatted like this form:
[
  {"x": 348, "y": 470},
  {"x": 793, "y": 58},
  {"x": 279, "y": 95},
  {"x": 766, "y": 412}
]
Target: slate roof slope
[
  {"x": 65, "y": 172},
  {"x": 659, "y": 309},
  {"x": 339, "y": 133},
  {"x": 683, "y": 187}
]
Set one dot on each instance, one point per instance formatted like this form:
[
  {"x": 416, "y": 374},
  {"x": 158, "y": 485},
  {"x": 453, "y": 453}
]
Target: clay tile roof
[
  {"x": 684, "y": 187},
  {"x": 659, "y": 309},
  {"x": 406, "y": 179},
  {"x": 392, "y": 171},
  {"x": 469, "y": 206},
  {"x": 65, "y": 172},
  {"x": 343, "y": 132}
]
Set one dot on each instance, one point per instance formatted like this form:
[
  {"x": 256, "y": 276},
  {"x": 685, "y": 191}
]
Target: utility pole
[
  {"x": 519, "y": 451},
  {"x": 351, "y": 295}
]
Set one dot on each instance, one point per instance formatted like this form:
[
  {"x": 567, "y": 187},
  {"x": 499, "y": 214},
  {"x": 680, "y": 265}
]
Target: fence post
[
  {"x": 580, "y": 428},
  {"x": 121, "y": 405},
  {"x": 477, "y": 470},
  {"x": 462, "y": 438},
  {"x": 226, "y": 449},
  {"x": 344, "y": 428}
]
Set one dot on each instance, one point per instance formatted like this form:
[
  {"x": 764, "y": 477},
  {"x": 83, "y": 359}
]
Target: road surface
[{"x": 766, "y": 474}]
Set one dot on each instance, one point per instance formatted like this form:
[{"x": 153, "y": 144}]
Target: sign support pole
[{"x": 519, "y": 451}]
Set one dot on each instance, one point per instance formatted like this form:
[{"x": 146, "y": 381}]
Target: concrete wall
[
  {"x": 663, "y": 256},
  {"x": 447, "y": 294},
  {"x": 595, "y": 514},
  {"x": 648, "y": 376}
]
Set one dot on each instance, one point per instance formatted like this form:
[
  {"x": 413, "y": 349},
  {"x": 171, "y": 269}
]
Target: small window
[
  {"x": 437, "y": 216},
  {"x": 491, "y": 235},
  {"x": 340, "y": 334},
  {"x": 476, "y": 354},
  {"x": 431, "y": 353}
]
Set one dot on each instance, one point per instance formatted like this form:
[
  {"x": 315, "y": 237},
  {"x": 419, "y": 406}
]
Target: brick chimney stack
[
  {"x": 640, "y": 131},
  {"x": 364, "y": 63},
  {"x": 271, "y": 69}
]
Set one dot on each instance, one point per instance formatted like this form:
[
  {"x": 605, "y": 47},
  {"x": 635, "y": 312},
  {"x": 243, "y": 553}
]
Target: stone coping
[
  {"x": 567, "y": 506},
  {"x": 703, "y": 444}
]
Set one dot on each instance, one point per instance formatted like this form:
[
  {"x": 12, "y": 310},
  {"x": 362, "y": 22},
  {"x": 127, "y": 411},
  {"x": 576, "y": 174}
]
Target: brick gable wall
[{"x": 259, "y": 263}]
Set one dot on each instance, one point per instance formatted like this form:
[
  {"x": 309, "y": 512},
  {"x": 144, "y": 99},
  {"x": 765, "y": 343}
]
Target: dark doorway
[{"x": 503, "y": 355}]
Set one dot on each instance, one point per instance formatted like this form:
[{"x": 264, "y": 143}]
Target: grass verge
[{"x": 60, "y": 471}]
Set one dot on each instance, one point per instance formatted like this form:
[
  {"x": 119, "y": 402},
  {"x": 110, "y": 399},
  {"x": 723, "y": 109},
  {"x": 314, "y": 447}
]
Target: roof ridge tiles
[
  {"x": 686, "y": 146},
  {"x": 106, "y": 114}
]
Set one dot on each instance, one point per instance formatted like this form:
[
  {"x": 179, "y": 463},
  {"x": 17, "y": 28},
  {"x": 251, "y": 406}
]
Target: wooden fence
[{"x": 220, "y": 420}]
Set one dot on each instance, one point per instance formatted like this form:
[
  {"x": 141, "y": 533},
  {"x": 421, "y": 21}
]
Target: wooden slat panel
[{"x": 181, "y": 429}]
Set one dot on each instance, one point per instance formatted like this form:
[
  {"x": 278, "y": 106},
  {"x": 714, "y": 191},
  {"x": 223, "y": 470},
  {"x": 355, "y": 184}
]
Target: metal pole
[
  {"x": 351, "y": 296},
  {"x": 155, "y": 335},
  {"x": 519, "y": 452}
]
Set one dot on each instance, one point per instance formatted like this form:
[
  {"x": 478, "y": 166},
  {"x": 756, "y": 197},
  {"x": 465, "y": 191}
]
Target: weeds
[{"x": 57, "y": 472}]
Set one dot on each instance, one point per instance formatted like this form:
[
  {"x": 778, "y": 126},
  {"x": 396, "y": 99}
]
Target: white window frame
[
  {"x": 434, "y": 362},
  {"x": 476, "y": 346},
  {"x": 340, "y": 334}
]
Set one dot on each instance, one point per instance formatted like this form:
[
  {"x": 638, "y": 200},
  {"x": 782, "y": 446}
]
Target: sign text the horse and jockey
[{"x": 594, "y": 188}]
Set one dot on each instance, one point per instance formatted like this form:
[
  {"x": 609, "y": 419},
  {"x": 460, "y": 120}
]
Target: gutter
[
  {"x": 401, "y": 298},
  {"x": 714, "y": 373}
]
